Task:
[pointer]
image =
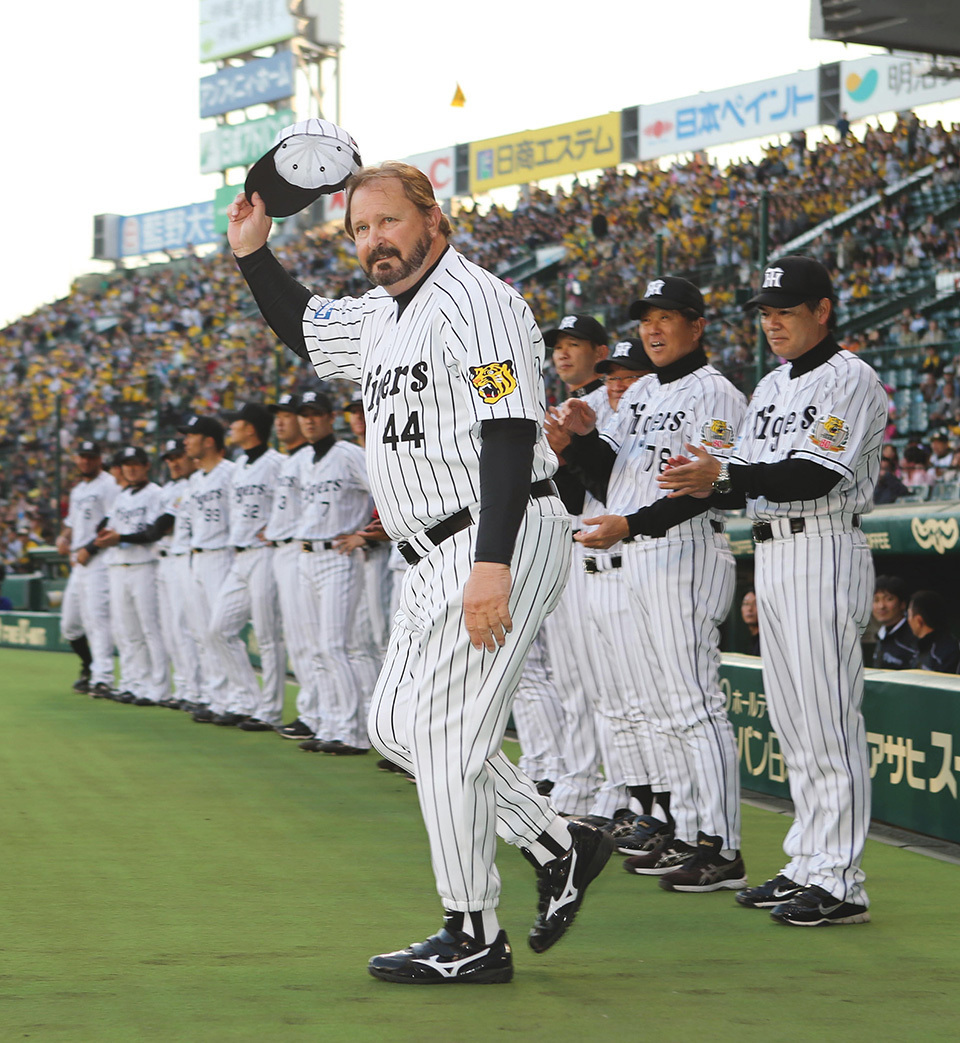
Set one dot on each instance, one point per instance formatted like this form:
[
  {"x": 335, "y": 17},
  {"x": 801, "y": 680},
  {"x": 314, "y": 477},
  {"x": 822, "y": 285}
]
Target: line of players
[{"x": 288, "y": 541}]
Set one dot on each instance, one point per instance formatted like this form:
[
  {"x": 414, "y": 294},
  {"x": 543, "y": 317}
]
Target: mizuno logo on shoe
[
  {"x": 569, "y": 893},
  {"x": 451, "y": 970}
]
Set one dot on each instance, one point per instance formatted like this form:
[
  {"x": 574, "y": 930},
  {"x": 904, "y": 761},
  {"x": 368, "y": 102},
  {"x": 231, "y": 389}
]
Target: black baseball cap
[
  {"x": 628, "y": 353},
  {"x": 311, "y": 158},
  {"x": 315, "y": 402},
  {"x": 671, "y": 293},
  {"x": 585, "y": 327},
  {"x": 790, "y": 281},
  {"x": 254, "y": 413},
  {"x": 88, "y": 448},
  {"x": 354, "y": 405},
  {"x": 116, "y": 460},
  {"x": 204, "y": 425},
  {"x": 133, "y": 454},
  {"x": 172, "y": 447},
  {"x": 286, "y": 403}
]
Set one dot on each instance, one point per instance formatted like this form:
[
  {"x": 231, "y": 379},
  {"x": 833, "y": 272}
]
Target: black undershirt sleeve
[
  {"x": 664, "y": 514},
  {"x": 280, "y": 298},
  {"x": 91, "y": 548},
  {"x": 590, "y": 459},
  {"x": 506, "y": 460},
  {"x": 153, "y": 532},
  {"x": 571, "y": 489},
  {"x": 786, "y": 480}
]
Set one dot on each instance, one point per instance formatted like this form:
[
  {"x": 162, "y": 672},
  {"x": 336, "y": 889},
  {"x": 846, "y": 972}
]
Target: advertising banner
[
  {"x": 229, "y": 27},
  {"x": 173, "y": 229},
  {"x": 913, "y": 735},
  {"x": 240, "y": 144},
  {"x": 254, "y": 82},
  {"x": 753, "y": 110},
  {"x": 532, "y": 155},
  {"x": 884, "y": 83},
  {"x": 439, "y": 166}
]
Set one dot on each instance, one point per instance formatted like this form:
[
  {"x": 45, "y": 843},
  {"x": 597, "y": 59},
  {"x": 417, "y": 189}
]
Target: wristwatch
[{"x": 722, "y": 483}]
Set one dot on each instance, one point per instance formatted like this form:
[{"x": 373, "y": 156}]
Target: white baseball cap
[{"x": 311, "y": 158}]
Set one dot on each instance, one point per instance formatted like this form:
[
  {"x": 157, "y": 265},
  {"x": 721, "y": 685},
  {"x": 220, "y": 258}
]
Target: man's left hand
[
  {"x": 486, "y": 610},
  {"x": 694, "y": 478}
]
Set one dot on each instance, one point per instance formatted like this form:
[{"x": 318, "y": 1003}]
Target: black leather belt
[
  {"x": 254, "y": 546},
  {"x": 717, "y": 526},
  {"x": 162, "y": 553},
  {"x": 461, "y": 520},
  {"x": 308, "y": 545},
  {"x": 289, "y": 539},
  {"x": 590, "y": 564},
  {"x": 763, "y": 531}
]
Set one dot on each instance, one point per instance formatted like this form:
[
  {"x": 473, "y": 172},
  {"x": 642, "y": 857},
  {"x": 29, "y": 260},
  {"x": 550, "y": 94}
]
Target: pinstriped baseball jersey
[
  {"x": 334, "y": 492},
  {"x": 655, "y": 421},
  {"x": 834, "y": 415},
  {"x": 599, "y": 401},
  {"x": 90, "y": 503},
  {"x": 465, "y": 350},
  {"x": 133, "y": 511},
  {"x": 176, "y": 502},
  {"x": 285, "y": 512},
  {"x": 252, "y": 488},
  {"x": 210, "y": 507}
]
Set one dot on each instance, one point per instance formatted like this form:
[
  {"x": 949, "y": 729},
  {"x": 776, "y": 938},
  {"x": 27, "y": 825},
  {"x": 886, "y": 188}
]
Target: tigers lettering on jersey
[
  {"x": 769, "y": 425},
  {"x": 382, "y": 385}
]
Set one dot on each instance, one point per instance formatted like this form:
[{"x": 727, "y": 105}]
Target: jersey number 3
[{"x": 412, "y": 431}]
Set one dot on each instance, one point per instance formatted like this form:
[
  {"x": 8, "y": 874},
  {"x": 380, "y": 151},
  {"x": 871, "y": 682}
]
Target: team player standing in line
[
  {"x": 449, "y": 360},
  {"x": 678, "y": 580},
  {"x": 806, "y": 465},
  {"x": 85, "y": 616}
]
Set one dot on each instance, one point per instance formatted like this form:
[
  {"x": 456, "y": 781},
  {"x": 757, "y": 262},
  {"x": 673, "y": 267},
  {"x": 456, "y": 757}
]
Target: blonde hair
[{"x": 416, "y": 187}]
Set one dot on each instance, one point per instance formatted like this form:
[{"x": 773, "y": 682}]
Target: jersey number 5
[{"x": 412, "y": 431}]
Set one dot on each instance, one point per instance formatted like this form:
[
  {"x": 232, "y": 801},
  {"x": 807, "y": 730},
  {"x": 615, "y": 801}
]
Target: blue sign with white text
[{"x": 254, "y": 82}]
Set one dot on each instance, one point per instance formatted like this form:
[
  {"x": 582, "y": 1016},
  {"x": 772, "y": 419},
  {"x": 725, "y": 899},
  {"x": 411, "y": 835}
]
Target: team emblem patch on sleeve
[
  {"x": 717, "y": 434},
  {"x": 830, "y": 433},
  {"x": 493, "y": 381}
]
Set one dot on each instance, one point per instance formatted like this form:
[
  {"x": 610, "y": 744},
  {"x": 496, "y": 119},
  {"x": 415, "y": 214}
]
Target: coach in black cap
[
  {"x": 207, "y": 426},
  {"x": 579, "y": 342},
  {"x": 671, "y": 293},
  {"x": 254, "y": 414},
  {"x": 791, "y": 281},
  {"x": 286, "y": 403}
]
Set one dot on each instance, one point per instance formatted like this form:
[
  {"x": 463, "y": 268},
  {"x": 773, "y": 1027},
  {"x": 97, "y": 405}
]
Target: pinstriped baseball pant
[
  {"x": 440, "y": 708},
  {"x": 814, "y": 596}
]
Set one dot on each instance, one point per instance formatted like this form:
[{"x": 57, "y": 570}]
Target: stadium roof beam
[{"x": 932, "y": 26}]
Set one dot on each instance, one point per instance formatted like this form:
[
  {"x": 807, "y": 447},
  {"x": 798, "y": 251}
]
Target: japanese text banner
[
  {"x": 752, "y": 110},
  {"x": 566, "y": 148},
  {"x": 884, "y": 83}
]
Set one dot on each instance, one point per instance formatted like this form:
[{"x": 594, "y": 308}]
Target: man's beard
[{"x": 407, "y": 266}]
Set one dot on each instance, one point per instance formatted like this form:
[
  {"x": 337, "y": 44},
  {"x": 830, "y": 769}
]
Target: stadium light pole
[
  {"x": 761, "y": 264},
  {"x": 56, "y": 462},
  {"x": 659, "y": 242}
]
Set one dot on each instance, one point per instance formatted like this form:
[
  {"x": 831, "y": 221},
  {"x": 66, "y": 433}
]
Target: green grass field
[{"x": 165, "y": 880}]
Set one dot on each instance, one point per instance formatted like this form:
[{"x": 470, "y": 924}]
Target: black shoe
[
  {"x": 563, "y": 881},
  {"x": 338, "y": 748},
  {"x": 814, "y": 907},
  {"x": 669, "y": 855},
  {"x": 649, "y": 834},
  {"x": 124, "y": 697},
  {"x": 544, "y": 787},
  {"x": 311, "y": 745},
  {"x": 82, "y": 683},
  {"x": 774, "y": 892},
  {"x": 707, "y": 870},
  {"x": 144, "y": 701},
  {"x": 204, "y": 715},
  {"x": 171, "y": 704},
  {"x": 101, "y": 691},
  {"x": 296, "y": 730},
  {"x": 253, "y": 725},
  {"x": 229, "y": 720},
  {"x": 447, "y": 958}
]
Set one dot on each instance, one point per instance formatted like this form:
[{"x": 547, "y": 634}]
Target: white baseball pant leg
[
  {"x": 295, "y": 603},
  {"x": 208, "y": 571},
  {"x": 538, "y": 716},
  {"x": 173, "y": 577}
]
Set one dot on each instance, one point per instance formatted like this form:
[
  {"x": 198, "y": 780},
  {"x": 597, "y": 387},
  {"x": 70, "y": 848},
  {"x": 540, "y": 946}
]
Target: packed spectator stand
[{"x": 131, "y": 354}]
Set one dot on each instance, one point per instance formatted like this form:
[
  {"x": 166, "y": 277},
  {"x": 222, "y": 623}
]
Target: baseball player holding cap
[
  {"x": 249, "y": 591},
  {"x": 678, "y": 579},
  {"x": 135, "y": 609},
  {"x": 85, "y": 612},
  {"x": 805, "y": 465},
  {"x": 295, "y": 599},
  {"x": 211, "y": 555},
  {"x": 449, "y": 361}
]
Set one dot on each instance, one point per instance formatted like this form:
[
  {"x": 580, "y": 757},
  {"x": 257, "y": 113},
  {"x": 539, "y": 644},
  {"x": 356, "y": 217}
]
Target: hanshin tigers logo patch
[
  {"x": 717, "y": 434},
  {"x": 493, "y": 380},
  {"x": 830, "y": 433}
]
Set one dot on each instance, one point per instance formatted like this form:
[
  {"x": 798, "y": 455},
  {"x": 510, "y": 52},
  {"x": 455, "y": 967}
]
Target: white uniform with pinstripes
[
  {"x": 294, "y": 596},
  {"x": 86, "y": 597},
  {"x": 134, "y": 602},
  {"x": 814, "y": 596},
  {"x": 210, "y": 559},
  {"x": 466, "y": 349},
  {"x": 678, "y": 589},
  {"x": 174, "y": 589},
  {"x": 249, "y": 593},
  {"x": 335, "y": 499}
]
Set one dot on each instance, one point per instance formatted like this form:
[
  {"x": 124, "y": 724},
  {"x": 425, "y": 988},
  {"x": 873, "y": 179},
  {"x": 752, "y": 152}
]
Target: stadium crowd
[{"x": 130, "y": 355}]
